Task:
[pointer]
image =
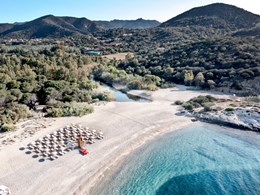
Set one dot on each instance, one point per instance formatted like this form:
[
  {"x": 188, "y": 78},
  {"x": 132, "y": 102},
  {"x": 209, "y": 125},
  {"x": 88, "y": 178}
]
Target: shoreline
[
  {"x": 134, "y": 171},
  {"x": 87, "y": 187}
]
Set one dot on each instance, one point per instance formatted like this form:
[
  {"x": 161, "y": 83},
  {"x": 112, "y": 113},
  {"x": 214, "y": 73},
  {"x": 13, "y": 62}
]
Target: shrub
[
  {"x": 68, "y": 109},
  {"x": 203, "y": 99},
  {"x": 211, "y": 84},
  {"x": 13, "y": 84},
  {"x": 54, "y": 112},
  {"x": 178, "y": 102},
  {"x": 195, "y": 104},
  {"x": 167, "y": 85},
  {"x": 7, "y": 128},
  {"x": 200, "y": 101},
  {"x": 136, "y": 84},
  {"x": 12, "y": 112},
  {"x": 151, "y": 87},
  {"x": 27, "y": 97},
  {"x": 2, "y": 86},
  {"x": 103, "y": 96},
  {"x": 17, "y": 93},
  {"x": 95, "y": 100},
  {"x": 87, "y": 85},
  {"x": 188, "y": 106},
  {"x": 207, "y": 109},
  {"x": 207, "y": 104},
  {"x": 229, "y": 109}
]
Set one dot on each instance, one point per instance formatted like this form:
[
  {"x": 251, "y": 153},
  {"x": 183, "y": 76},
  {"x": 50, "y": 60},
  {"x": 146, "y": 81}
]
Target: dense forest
[
  {"x": 228, "y": 63},
  {"x": 55, "y": 76}
]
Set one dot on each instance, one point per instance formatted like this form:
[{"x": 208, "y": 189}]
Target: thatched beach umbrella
[
  {"x": 45, "y": 154},
  {"x": 31, "y": 147},
  {"x": 37, "y": 150},
  {"x": 51, "y": 157},
  {"x": 54, "y": 139}
]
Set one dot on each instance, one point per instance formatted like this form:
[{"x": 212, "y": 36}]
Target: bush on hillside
[
  {"x": 68, "y": 109},
  {"x": 229, "y": 109},
  {"x": 201, "y": 101},
  {"x": 12, "y": 112},
  {"x": 7, "y": 128},
  {"x": 178, "y": 102},
  {"x": 188, "y": 106},
  {"x": 103, "y": 96}
]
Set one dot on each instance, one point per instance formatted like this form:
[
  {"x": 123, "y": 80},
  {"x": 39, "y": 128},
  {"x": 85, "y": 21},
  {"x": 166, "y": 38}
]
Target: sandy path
[{"x": 125, "y": 125}]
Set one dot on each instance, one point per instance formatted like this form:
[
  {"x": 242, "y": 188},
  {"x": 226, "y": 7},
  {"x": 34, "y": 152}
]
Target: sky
[{"x": 161, "y": 10}]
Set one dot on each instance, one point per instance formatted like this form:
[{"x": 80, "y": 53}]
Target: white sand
[{"x": 126, "y": 126}]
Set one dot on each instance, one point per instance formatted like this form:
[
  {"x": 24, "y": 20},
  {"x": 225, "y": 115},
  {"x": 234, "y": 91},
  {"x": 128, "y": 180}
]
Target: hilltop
[
  {"x": 217, "y": 15},
  {"x": 49, "y": 26}
]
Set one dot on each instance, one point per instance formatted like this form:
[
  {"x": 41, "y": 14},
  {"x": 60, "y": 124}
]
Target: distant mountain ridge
[
  {"x": 218, "y": 15},
  {"x": 49, "y": 26},
  {"x": 129, "y": 24}
]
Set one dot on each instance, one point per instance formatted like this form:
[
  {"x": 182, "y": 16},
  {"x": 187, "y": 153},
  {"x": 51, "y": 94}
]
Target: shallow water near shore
[
  {"x": 123, "y": 97},
  {"x": 201, "y": 159}
]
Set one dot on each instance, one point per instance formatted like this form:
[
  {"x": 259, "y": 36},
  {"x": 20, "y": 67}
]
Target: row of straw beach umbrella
[{"x": 64, "y": 140}]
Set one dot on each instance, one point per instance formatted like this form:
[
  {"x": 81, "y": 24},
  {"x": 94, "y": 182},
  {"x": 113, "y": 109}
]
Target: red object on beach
[{"x": 83, "y": 151}]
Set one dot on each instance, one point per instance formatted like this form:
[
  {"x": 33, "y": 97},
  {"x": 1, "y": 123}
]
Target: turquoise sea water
[{"x": 202, "y": 159}]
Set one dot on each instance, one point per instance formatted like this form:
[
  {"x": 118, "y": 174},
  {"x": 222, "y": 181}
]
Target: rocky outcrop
[{"x": 243, "y": 118}]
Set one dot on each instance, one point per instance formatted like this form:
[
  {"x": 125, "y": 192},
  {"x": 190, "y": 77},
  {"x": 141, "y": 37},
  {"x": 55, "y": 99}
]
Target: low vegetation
[
  {"x": 11, "y": 112},
  {"x": 205, "y": 102},
  {"x": 178, "y": 102},
  {"x": 7, "y": 128},
  {"x": 68, "y": 109},
  {"x": 229, "y": 109}
]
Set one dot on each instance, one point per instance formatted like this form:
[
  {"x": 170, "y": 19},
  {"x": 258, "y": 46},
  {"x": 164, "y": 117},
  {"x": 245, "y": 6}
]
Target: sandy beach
[{"x": 126, "y": 126}]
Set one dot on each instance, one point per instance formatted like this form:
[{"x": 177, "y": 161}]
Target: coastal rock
[{"x": 245, "y": 118}]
